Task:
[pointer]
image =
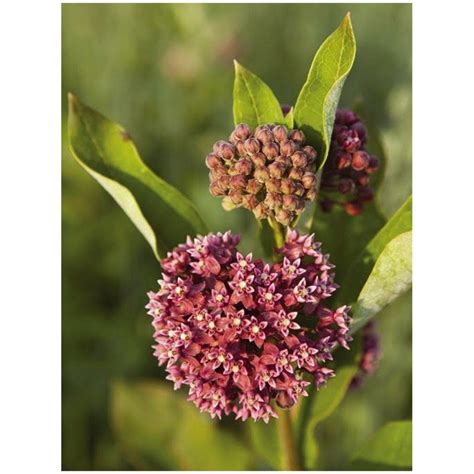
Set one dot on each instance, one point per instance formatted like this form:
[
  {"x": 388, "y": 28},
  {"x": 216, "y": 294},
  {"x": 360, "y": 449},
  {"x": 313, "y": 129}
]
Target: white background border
[{"x": 30, "y": 108}]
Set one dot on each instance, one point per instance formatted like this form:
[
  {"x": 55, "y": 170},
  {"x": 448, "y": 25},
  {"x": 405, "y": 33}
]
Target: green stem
[
  {"x": 279, "y": 232},
  {"x": 291, "y": 460}
]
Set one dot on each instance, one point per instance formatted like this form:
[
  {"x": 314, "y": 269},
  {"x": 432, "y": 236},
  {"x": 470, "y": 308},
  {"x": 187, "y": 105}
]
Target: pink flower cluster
[{"x": 240, "y": 332}]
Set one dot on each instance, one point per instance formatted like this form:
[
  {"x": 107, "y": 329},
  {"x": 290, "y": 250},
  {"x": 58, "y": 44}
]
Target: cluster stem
[{"x": 291, "y": 460}]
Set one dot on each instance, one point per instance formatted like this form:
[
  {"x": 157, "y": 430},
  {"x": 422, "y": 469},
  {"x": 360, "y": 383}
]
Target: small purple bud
[
  {"x": 271, "y": 150},
  {"x": 273, "y": 185},
  {"x": 343, "y": 160},
  {"x": 242, "y": 131},
  {"x": 259, "y": 159},
  {"x": 363, "y": 179},
  {"x": 365, "y": 194},
  {"x": 276, "y": 170},
  {"x": 296, "y": 173},
  {"x": 311, "y": 154},
  {"x": 359, "y": 127},
  {"x": 287, "y": 147},
  {"x": 253, "y": 186},
  {"x": 373, "y": 164},
  {"x": 261, "y": 174},
  {"x": 298, "y": 158},
  {"x": 252, "y": 145},
  {"x": 285, "y": 108},
  {"x": 284, "y": 217},
  {"x": 309, "y": 180},
  {"x": 238, "y": 182},
  {"x": 244, "y": 166},
  {"x": 280, "y": 132},
  {"x": 346, "y": 185},
  {"x": 264, "y": 135},
  {"x": 353, "y": 208},
  {"x": 297, "y": 136},
  {"x": 213, "y": 161},
  {"x": 287, "y": 186},
  {"x": 360, "y": 160}
]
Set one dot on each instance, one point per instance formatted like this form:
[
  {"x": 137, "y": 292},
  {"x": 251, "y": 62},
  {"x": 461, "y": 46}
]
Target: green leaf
[
  {"x": 290, "y": 118},
  {"x": 104, "y": 149},
  {"x": 322, "y": 403},
  {"x": 389, "y": 450},
  {"x": 158, "y": 429},
  {"x": 266, "y": 442},
  {"x": 254, "y": 102},
  {"x": 390, "y": 278},
  {"x": 333, "y": 229},
  {"x": 360, "y": 268},
  {"x": 316, "y": 105}
]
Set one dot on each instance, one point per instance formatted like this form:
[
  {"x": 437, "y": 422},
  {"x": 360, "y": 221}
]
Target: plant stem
[
  {"x": 278, "y": 232},
  {"x": 287, "y": 439}
]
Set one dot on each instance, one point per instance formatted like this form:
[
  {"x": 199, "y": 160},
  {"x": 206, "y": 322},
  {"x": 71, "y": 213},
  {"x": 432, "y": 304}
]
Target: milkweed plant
[{"x": 275, "y": 337}]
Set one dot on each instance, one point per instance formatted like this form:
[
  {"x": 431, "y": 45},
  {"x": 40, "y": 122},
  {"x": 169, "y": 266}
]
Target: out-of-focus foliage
[{"x": 165, "y": 72}]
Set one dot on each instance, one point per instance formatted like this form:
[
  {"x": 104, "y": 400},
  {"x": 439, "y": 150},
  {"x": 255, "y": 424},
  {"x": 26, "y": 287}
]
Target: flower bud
[
  {"x": 235, "y": 196},
  {"x": 285, "y": 109},
  {"x": 373, "y": 164},
  {"x": 290, "y": 202},
  {"x": 297, "y": 136},
  {"x": 215, "y": 189},
  {"x": 244, "y": 166},
  {"x": 343, "y": 160},
  {"x": 280, "y": 132},
  {"x": 311, "y": 154},
  {"x": 287, "y": 186},
  {"x": 346, "y": 185},
  {"x": 359, "y": 127},
  {"x": 227, "y": 204},
  {"x": 296, "y": 173},
  {"x": 252, "y": 146},
  {"x": 346, "y": 116},
  {"x": 273, "y": 200},
  {"x": 224, "y": 149},
  {"x": 284, "y": 217},
  {"x": 271, "y": 150},
  {"x": 365, "y": 194},
  {"x": 363, "y": 179},
  {"x": 360, "y": 160},
  {"x": 259, "y": 159},
  {"x": 273, "y": 185},
  {"x": 213, "y": 161},
  {"x": 298, "y": 158},
  {"x": 242, "y": 131},
  {"x": 261, "y": 174},
  {"x": 253, "y": 186},
  {"x": 287, "y": 147},
  {"x": 260, "y": 211},
  {"x": 309, "y": 180},
  {"x": 240, "y": 146},
  {"x": 311, "y": 194},
  {"x": 349, "y": 140},
  {"x": 276, "y": 170},
  {"x": 353, "y": 208},
  {"x": 264, "y": 135},
  {"x": 299, "y": 188},
  {"x": 249, "y": 201},
  {"x": 238, "y": 182}
]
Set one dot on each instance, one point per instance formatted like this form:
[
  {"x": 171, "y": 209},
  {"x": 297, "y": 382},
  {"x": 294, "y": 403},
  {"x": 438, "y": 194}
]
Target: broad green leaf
[
  {"x": 360, "y": 268},
  {"x": 290, "y": 118},
  {"x": 389, "y": 450},
  {"x": 254, "y": 102},
  {"x": 316, "y": 105},
  {"x": 159, "y": 429},
  {"x": 390, "y": 278},
  {"x": 266, "y": 442},
  {"x": 344, "y": 237},
  {"x": 322, "y": 403},
  {"x": 104, "y": 149}
]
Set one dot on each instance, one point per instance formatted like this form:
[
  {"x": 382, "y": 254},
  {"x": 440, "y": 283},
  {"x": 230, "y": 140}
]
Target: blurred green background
[{"x": 165, "y": 72}]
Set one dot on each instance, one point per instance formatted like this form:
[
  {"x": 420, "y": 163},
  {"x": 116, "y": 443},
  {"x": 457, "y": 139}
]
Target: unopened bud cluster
[
  {"x": 349, "y": 166},
  {"x": 268, "y": 170}
]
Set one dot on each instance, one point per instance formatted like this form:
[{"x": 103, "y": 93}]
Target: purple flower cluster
[
  {"x": 240, "y": 332},
  {"x": 349, "y": 166},
  {"x": 371, "y": 354}
]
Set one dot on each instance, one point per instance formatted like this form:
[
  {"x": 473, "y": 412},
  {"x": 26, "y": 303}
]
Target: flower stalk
[{"x": 291, "y": 460}]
